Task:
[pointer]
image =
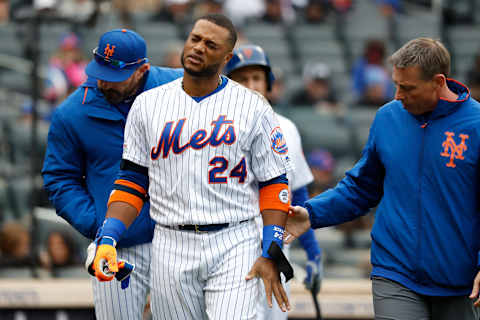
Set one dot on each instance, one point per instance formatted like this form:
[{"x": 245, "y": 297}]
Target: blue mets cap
[{"x": 119, "y": 53}]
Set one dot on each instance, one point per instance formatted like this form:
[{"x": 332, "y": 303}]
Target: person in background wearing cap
[
  {"x": 84, "y": 152},
  {"x": 322, "y": 164},
  {"x": 372, "y": 84},
  {"x": 317, "y": 91},
  {"x": 250, "y": 67},
  {"x": 65, "y": 69}
]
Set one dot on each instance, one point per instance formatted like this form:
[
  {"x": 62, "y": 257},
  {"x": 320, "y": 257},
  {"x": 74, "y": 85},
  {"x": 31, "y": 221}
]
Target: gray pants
[{"x": 392, "y": 301}]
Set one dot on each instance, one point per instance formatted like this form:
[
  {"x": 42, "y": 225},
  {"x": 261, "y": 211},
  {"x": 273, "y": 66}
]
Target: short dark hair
[{"x": 224, "y": 22}]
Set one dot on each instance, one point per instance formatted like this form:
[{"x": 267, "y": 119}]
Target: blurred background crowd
[{"x": 328, "y": 57}]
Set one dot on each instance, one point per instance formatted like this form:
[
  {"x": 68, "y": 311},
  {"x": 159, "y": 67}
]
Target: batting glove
[
  {"x": 314, "y": 269},
  {"x": 100, "y": 258}
]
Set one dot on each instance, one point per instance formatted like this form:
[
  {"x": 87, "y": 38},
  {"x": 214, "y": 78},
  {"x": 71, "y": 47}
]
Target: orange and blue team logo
[
  {"x": 453, "y": 150},
  {"x": 279, "y": 144},
  {"x": 247, "y": 52},
  {"x": 108, "y": 52}
]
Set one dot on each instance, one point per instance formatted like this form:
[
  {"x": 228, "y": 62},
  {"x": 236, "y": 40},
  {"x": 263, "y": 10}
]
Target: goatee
[{"x": 207, "y": 72}]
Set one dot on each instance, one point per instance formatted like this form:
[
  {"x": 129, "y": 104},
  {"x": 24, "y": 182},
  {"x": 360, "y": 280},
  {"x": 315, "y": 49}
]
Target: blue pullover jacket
[
  {"x": 84, "y": 150},
  {"x": 423, "y": 171}
]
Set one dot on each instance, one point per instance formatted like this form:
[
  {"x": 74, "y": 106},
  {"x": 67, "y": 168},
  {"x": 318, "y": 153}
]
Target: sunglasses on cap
[{"x": 118, "y": 64}]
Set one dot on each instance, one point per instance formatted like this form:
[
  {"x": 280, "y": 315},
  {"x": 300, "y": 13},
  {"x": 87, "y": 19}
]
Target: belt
[{"x": 205, "y": 227}]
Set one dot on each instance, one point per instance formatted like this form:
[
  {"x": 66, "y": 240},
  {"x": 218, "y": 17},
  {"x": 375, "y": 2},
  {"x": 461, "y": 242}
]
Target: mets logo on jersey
[
  {"x": 221, "y": 132},
  {"x": 452, "y": 150},
  {"x": 279, "y": 144}
]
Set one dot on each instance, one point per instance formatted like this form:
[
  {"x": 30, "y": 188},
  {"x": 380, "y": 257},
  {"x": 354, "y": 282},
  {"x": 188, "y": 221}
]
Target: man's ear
[
  {"x": 440, "y": 80},
  {"x": 228, "y": 57},
  {"x": 142, "y": 69}
]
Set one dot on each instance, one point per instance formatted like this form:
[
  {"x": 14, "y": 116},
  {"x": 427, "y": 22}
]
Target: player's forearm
[
  {"x": 274, "y": 217},
  {"x": 123, "y": 211}
]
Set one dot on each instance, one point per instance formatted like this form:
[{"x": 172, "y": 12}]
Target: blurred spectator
[
  {"x": 65, "y": 70},
  {"x": 177, "y": 11},
  {"x": 278, "y": 11},
  {"x": 372, "y": 83},
  {"x": 172, "y": 56},
  {"x": 204, "y": 7},
  {"x": 316, "y": 11},
  {"x": 459, "y": 12},
  {"x": 317, "y": 91},
  {"x": 241, "y": 11},
  {"x": 341, "y": 6},
  {"x": 60, "y": 251},
  {"x": 78, "y": 10},
  {"x": 322, "y": 164},
  {"x": 15, "y": 245},
  {"x": 473, "y": 78},
  {"x": 4, "y": 11},
  {"x": 276, "y": 96},
  {"x": 388, "y": 8}
]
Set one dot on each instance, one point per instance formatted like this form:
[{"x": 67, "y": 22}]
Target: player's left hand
[
  {"x": 313, "y": 280},
  {"x": 298, "y": 222},
  {"x": 475, "y": 291},
  {"x": 265, "y": 268}
]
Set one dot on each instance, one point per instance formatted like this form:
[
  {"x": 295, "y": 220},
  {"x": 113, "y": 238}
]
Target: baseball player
[
  {"x": 212, "y": 156},
  {"x": 250, "y": 66},
  {"x": 83, "y": 156}
]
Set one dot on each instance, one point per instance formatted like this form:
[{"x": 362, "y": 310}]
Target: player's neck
[{"x": 200, "y": 86}]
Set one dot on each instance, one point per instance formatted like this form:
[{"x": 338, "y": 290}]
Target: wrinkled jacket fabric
[
  {"x": 423, "y": 171},
  {"x": 84, "y": 151}
]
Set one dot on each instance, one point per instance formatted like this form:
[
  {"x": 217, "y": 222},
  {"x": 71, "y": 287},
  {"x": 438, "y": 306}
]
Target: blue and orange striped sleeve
[{"x": 131, "y": 185}]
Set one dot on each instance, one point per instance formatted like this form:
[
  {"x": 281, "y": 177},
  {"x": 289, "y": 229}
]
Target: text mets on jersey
[{"x": 171, "y": 140}]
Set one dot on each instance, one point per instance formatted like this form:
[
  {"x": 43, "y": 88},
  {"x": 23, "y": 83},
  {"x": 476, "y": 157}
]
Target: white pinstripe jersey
[
  {"x": 205, "y": 158},
  {"x": 300, "y": 175}
]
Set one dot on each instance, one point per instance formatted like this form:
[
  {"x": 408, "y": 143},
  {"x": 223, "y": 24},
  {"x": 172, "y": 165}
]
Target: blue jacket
[
  {"x": 424, "y": 171},
  {"x": 82, "y": 160}
]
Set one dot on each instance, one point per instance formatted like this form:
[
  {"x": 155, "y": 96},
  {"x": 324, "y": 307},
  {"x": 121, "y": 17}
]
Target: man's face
[
  {"x": 418, "y": 96},
  {"x": 206, "y": 50},
  {"x": 317, "y": 89},
  {"x": 252, "y": 77},
  {"x": 117, "y": 92}
]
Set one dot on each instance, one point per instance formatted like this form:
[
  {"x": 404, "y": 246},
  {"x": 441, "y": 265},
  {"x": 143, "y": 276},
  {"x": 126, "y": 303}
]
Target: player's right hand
[
  {"x": 298, "y": 222},
  {"x": 265, "y": 268},
  {"x": 105, "y": 263}
]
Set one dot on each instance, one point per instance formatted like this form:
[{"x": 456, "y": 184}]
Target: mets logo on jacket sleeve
[
  {"x": 279, "y": 144},
  {"x": 452, "y": 150}
]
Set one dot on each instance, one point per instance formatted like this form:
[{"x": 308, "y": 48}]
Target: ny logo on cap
[
  {"x": 108, "y": 52},
  {"x": 248, "y": 52}
]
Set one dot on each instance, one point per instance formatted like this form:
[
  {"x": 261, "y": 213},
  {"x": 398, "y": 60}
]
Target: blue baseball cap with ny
[{"x": 119, "y": 53}]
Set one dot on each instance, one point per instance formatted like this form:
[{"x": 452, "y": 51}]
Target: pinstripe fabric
[
  {"x": 181, "y": 189},
  {"x": 201, "y": 172},
  {"x": 111, "y": 302},
  {"x": 202, "y": 275},
  {"x": 299, "y": 176}
]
